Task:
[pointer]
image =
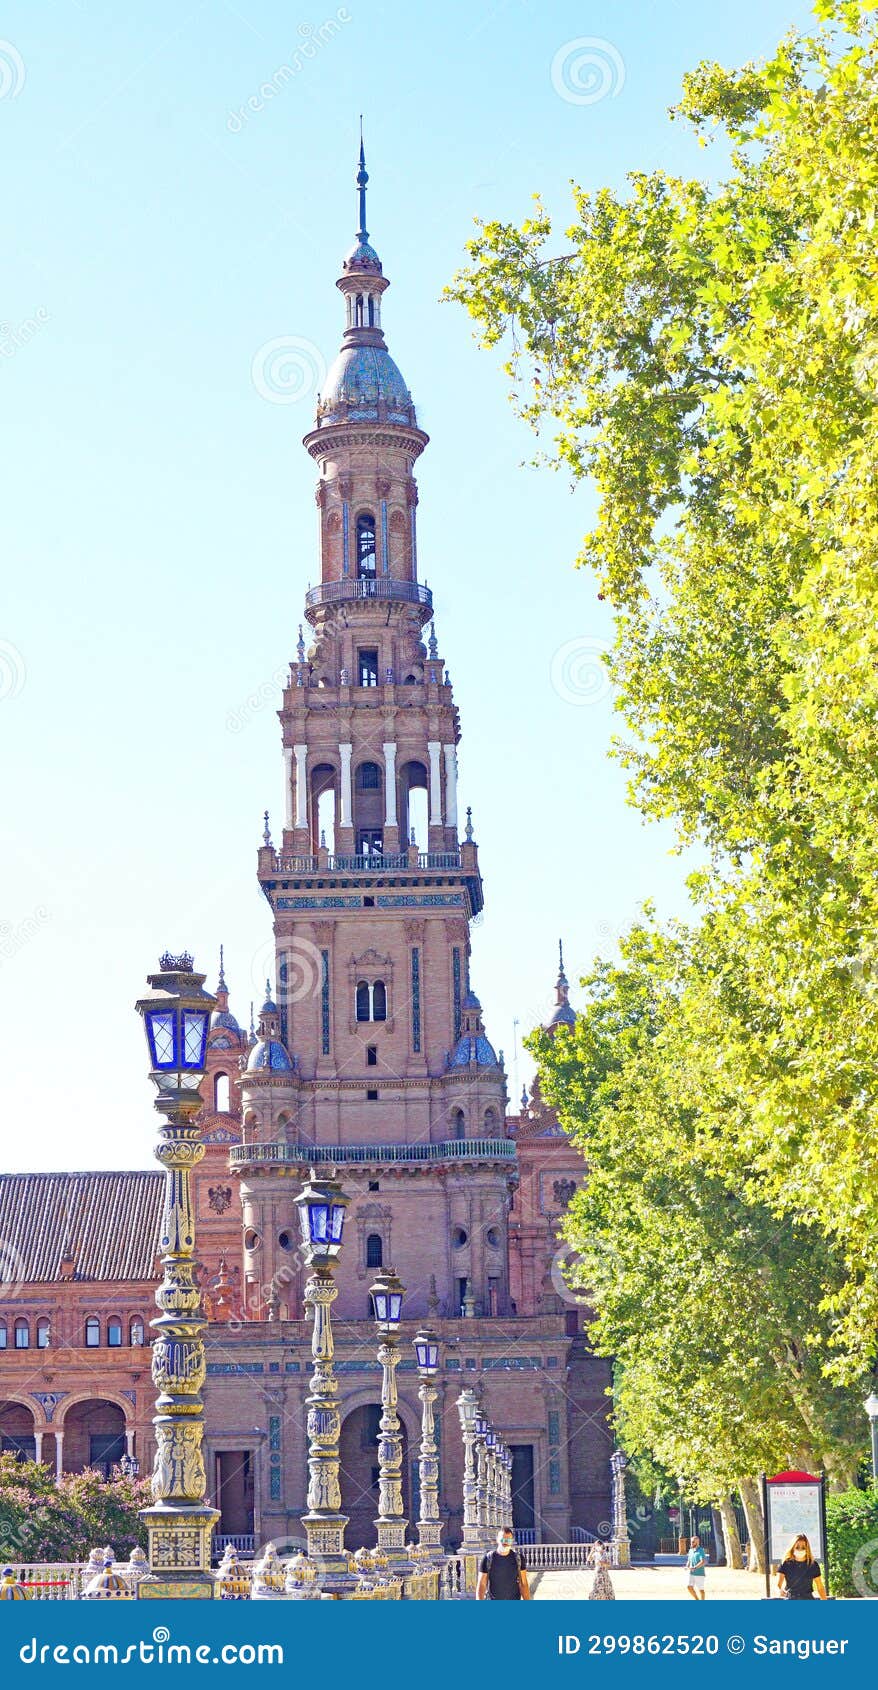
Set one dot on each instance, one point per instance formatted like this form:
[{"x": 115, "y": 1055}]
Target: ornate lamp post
[
  {"x": 322, "y": 1205},
  {"x": 481, "y": 1466},
  {"x": 387, "y": 1295},
  {"x": 468, "y": 1411},
  {"x": 426, "y": 1346},
  {"x": 871, "y": 1407},
  {"x": 180, "y": 1524},
  {"x": 621, "y": 1540}
]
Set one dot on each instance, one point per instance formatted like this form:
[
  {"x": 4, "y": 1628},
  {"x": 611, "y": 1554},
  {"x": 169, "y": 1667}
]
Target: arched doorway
[
  {"x": 17, "y": 1430},
  {"x": 358, "y": 1462},
  {"x": 94, "y": 1436}
]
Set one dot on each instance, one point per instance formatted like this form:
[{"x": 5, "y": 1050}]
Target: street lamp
[
  {"x": 871, "y": 1407},
  {"x": 481, "y": 1470},
  {"x": 321, "y": 1205},
  {"x": 386, "y": 1295},
  {"x": 467, "y": 1410},
  {"x": 179, "y": 1524},
  {"x": 129, "y": 1467},
  {"x": 492, "y": 1519},
  {"x": 426, "y": 1346}
]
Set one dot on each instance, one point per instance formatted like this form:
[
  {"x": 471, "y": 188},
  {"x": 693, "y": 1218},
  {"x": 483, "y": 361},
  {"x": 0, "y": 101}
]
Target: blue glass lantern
[
  {"x": 491, "y": 1438},
  {"x": 177, "y": 1018},
  {"x": 426, "y": 1345},
  {"x": 481, "y": 1426},
  {"x": 322, "y": 1205},
  {"x": 386, "y": 1295}
]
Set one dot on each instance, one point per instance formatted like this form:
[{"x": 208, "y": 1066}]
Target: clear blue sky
[{"x": 158, "y": 512}]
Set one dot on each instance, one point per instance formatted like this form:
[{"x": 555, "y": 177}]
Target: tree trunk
[
  {"x": 752, "y": 1501},
  {"x": 719, "y": 1547},
  {"x": 734, "y": 1557}
]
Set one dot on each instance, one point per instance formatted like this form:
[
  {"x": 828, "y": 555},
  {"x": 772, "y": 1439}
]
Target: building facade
[{"x": 371, "y": 1053}]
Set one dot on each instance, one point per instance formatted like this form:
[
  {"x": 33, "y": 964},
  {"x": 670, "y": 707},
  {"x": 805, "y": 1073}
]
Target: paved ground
[{"x": 650, "y": 1584}]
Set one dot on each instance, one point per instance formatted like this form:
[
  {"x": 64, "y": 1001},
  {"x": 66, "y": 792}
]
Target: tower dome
[{"x": 364, "y": 383}]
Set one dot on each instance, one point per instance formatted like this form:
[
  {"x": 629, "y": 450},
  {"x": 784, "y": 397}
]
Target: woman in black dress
[{"x": 799, "y": 1574}]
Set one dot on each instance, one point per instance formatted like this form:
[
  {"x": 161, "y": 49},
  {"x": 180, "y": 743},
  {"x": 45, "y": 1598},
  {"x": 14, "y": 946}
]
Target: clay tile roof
[{"x": 108, "y": 1223}]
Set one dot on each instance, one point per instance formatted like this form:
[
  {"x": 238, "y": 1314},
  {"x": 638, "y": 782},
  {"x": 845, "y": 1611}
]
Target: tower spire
[
  {"x": 221, "y": 984},
  {"x": 362, "y": 179}
]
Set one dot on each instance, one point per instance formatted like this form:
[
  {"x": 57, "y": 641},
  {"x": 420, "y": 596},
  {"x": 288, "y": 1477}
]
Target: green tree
[
  {"x": 44, "y": 1521},
  {"x": 708, "y": 356}
]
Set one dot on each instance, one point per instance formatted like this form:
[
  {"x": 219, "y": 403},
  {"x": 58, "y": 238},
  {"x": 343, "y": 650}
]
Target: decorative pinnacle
[
  {"x": 267, "y": 989},
  {"x": 524, "y": 1097},
  {"x": 433, "y": 646},
  {"x": 266, "y": 835},
  {"x": 300, "y": 648},
  {"x": 362, "y": 179},
  {"x": 468, "y": 831},
  {"x": 221, "y": 983},
  {"x": 562, "y": 977},
  {"x": 252, "y": 1025}
]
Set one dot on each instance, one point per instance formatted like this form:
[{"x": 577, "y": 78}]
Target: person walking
[
  {"x": 503, "y": 1575},
  {"x": 799, "y": 1573},
  {"x": 602, "y": 1585},
  {"x": 696, "y": 1565}
]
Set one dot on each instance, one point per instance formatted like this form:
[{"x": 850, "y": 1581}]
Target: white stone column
[
  {"x": 288, "y": 786},
  {"x": 38, "y": 1444},
  {"x": 129, "y": 1440},
  {"x": 451, "y": 786},
  {"x": 389, "y": 749},
  {"x": 434, "y": 749},
  {"x": 59, "y": 1456},
  {"x": 300, "y": 753},
  {"x": 345, "y": 795}
]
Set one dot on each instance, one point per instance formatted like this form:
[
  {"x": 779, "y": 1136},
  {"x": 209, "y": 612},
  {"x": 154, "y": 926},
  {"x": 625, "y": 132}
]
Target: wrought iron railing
[
  {"x": 372, "y": 863},
  {"x": 449, "y": 1150},
  {"x": 382, "y": 587}
]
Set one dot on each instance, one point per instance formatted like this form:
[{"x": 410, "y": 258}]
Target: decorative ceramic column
[
  {"x": 429, "y": 1525},
  {"x": 467, "y": 1408},
  {"x": 180, "y": 1524},
  {"x": 321, "y": 1205},
  {"x": 386, "y": 1294}
]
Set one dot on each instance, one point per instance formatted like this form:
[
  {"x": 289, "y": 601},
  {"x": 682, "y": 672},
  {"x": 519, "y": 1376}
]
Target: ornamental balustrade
[{"x": 449, "y": 1150}]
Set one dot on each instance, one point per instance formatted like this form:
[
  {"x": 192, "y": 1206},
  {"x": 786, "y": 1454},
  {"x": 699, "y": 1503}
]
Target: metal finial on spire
[
  {"x": 362, "y": 179},
  {"x": 252, "y": 1025},
  {"x": 266, "y": 835},
  {"x": 468, "y": 831},
  {"x": 221, "y": 983}
]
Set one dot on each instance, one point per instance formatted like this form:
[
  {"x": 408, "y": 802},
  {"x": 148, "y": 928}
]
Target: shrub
[{"x": 852, "y": 1542}]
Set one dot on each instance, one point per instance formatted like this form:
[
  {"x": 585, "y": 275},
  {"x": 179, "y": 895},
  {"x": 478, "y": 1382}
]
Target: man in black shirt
[{"x": 502, "y": 1575}]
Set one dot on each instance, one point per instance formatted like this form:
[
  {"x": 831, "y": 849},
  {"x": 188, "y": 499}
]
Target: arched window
[
  {"x": 221, "y": 1094},
  {"x": 92, "y": 1332},
  {"x": 374, "y": 1251},
  {"x": 458, "y": 1122},
  {"x": 44, "y": 1333},
  {"x": 22, "y": 1335},
  {"x": 323, "y": 803},
  {"x": 371, "y": 311},
  {"x": 4, "y": 1335},
  {"x": 366, "y": 546},
  {"x": 490, "y": 1123},
  {"x": 358, "y": 311},
  {"x": 114, "y": 1333},
  {"x": 135, "y": 1332},
  {"x": 371, "y": 1000},
  {"x": 369, "y": 777}
]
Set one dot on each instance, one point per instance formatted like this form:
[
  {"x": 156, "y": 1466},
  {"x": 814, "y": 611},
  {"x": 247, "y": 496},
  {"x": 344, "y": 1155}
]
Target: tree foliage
[
  {"x": 44, "y": 1521},
  {"x": 708, "y": 356}
]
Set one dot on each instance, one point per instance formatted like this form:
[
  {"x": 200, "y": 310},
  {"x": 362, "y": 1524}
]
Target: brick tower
[{"x": 371, "y": 1048}]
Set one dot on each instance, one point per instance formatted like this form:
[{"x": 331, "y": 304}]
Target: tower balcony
[
  {"x": 465, "y": 1151},
  {"x": 378, "y": 872},
  {"x": 353, "y": 589}
]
